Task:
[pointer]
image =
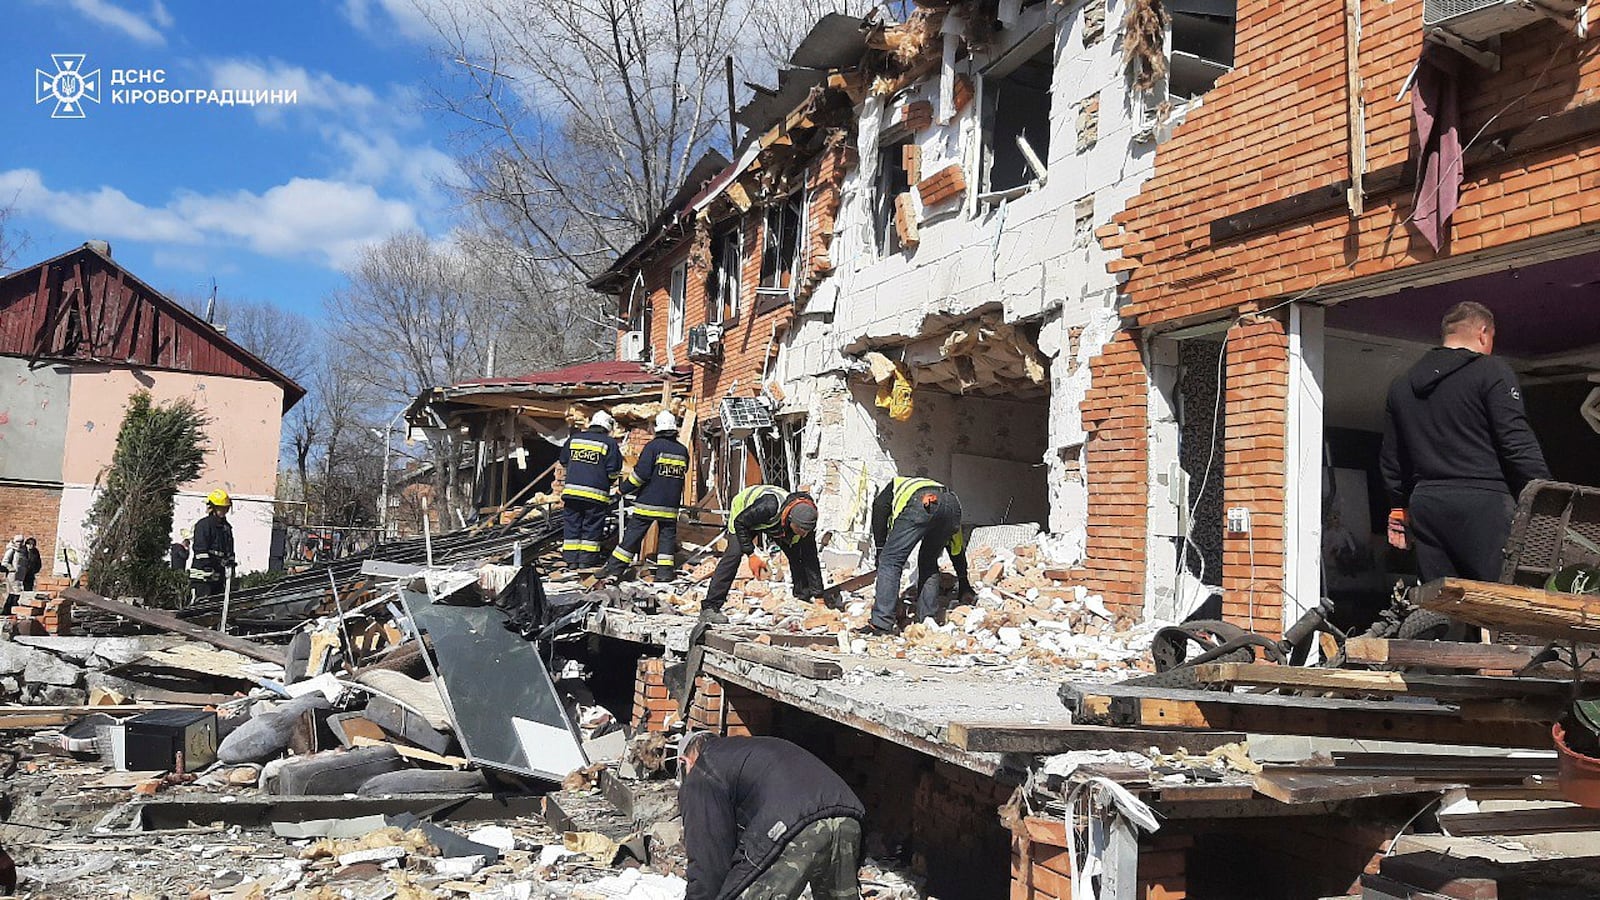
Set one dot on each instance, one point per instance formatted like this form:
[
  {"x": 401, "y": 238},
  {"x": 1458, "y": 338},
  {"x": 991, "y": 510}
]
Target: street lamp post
[{"x": 383, "y": 502}]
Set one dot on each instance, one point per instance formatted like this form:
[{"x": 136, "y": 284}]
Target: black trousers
[
  {"x": 1460, "y": 532},
  {"x": 930, "y": 530},
  {"x": 583, "y": 524},
  {"x": 805, "y": 571},
  {"x": 627, "y": 551}
]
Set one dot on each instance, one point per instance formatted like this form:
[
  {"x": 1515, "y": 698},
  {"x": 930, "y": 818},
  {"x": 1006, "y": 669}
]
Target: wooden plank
[
  {"x": 1449, "y": 687},
  {"x": 1461, "y": 878},
  {"x": 26, "y": 717},
  {"x": 803, "y": 664},
  {"x": 416, "y": 753},
  {"x": 1521, "y": 821},
  {"x": 1301, "y": 786},
  {"x": 1437, "y": 654},
  {"x": 987, "y": 737},
  {"x": 724, "y": 643},
  {"x": 168, "y": 622},
  {"x": 1511, "y": 607},
  {"x": 797, "y": 641},
  {"x": 1133, "y": 706}
]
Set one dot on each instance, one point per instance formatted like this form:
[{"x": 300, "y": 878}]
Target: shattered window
[
  {"x": 1202, "y": 45},
  {"x": 722, "y": 289},
  {"x": 780, "y": 249},
  {"x": 892, "y": 182},
  {"x": 1019, "y": 113}
]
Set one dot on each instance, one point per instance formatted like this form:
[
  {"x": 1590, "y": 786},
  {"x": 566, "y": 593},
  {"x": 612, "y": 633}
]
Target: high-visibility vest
[
  {"x": 905, "y": 489},
  {"x": 749, "y": 495}
]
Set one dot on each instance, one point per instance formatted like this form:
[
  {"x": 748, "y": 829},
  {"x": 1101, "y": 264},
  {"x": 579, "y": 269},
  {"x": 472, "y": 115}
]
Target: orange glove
[
  {"x": 1397, "y": 529},
  {"x": 758, "y": 567}
]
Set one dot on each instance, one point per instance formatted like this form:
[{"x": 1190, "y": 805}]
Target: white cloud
[
  {"x": 410, "y": 18},
  {"x": 304, "y": 217},
  {"x": 377, "y": 157},
  {"x": 146, "y": 29},
  {"x": 317, "y": 91}
]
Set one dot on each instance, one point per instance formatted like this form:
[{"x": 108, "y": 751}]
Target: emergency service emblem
[{"x": 69, "y": 85}]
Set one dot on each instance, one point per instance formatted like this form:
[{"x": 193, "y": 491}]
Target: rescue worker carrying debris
[
  {"x": 1457, "y": 450},
  {"x": 909, "y": 512},
  {"x": 592, "y": 462},
  {"x": 762, "y": 818},
  {"x": 787, "y": 520},
  {"x": 657, "y": 483},
  {"x": 212, "y": 558}
]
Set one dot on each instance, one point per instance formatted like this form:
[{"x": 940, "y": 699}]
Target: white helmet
[
  {"x": 666, "y": 421},
  {"x": 602, "y": 419}
]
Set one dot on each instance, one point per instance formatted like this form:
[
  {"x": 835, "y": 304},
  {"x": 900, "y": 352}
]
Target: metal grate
[{"x": 744, "y": 416}]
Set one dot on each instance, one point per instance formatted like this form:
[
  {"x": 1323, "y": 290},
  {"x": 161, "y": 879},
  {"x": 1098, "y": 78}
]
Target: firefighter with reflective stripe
[
  {"x": 211, "y": 555},
  {"x": 657, "y": 485},
  {"x": 593, "y": 462},
  {"x": 909, "y": 512},
  {"x": 786, "y": 519}
]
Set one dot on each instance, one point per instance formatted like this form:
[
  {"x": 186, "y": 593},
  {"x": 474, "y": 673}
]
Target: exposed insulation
[{"x": 1144, "y": 39}]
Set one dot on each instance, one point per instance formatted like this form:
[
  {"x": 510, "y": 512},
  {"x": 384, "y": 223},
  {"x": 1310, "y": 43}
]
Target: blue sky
[{"x": 270, "y": 201}]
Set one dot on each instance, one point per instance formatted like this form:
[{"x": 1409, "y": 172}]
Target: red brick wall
[
  {"x": 1041, "y": 868},
  {"x": 1255, "y": 442},
  {"x": 729, "y": 709},
  {"x": 653, "y": 710},
  {"x": 1115, "y": 456},
  {"x": 1276, "y": 127},
  {"x": 32, "y": 512}
]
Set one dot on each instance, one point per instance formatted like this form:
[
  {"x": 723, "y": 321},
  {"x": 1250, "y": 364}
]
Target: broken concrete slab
[
  {"x": 44, "y": 668},
  {"x": 72, "y": 649}
]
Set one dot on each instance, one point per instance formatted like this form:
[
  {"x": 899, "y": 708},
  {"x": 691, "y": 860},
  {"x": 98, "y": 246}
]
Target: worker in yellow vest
[
  {"x": 909, "y": 512},
  {"x": 786, "y": 519}
]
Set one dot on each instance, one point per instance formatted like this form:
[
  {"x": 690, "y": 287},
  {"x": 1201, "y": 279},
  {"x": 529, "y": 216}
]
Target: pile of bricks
[{"x": 36, "y": 614}]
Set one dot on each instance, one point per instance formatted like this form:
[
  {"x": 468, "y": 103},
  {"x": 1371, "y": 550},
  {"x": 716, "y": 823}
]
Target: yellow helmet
[{"x": 219, "y": 497}]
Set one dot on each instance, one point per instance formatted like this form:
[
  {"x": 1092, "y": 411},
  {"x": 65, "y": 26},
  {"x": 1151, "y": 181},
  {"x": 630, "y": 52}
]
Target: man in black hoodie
[
  {"x": 762, "y": 818},
  {"x": 1457, "y": 450}
]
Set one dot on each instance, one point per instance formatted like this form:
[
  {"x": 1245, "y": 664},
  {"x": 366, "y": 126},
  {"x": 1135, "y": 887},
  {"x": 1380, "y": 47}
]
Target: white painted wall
[
  {"x": 251, "y": 519},
  {"x": 1028, "y": 259}
]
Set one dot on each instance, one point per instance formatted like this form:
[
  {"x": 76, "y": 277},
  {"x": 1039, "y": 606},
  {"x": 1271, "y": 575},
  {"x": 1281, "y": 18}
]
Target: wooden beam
[
  {"x": 27, "y": 717},
  {"x": 805, "y": 665},
  {"x": 1301, "y": 786},
  {"x": 413, "y": 753},
  {"x": 1510, "y": 607},
  {"x": 166, "y": 621},
  {"x": 1438, "y": 654},
  {"x": 1351, "y": 681},
  {"x": 1147, "y": 707},
  {"x": 986, "y": 737},
  {"x": 1521, "y": 821}
]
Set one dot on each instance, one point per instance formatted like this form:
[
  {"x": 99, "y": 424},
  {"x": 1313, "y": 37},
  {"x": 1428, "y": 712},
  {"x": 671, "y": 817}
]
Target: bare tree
[
  {"x": 12, "y": 239},
  {"x": 284, "y": 339}
]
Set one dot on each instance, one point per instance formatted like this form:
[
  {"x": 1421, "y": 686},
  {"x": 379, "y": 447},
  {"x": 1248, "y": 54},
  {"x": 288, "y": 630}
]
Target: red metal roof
[
  {"x": 604, "y": 371},
  {"x": 83, "y": 306}
]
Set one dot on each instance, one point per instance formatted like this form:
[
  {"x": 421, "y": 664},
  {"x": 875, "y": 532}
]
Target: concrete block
[
  {"x": 43, "y": 668},
  {"x": 1002, "y": 537},
  {"x": 14, "y": 657},
  {"x": 56, "y": 695},
  {"x": 72, "y": 649}
]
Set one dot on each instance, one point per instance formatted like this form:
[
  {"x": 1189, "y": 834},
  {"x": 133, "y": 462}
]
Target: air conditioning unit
[
  {"x": 1479, "y": 20},
  {"x": 705, "y": 342},
  {"x": 634, "y": 348}
]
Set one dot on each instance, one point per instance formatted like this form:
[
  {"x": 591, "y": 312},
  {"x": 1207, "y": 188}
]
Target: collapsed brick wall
[{"x": 33, "y": 511}]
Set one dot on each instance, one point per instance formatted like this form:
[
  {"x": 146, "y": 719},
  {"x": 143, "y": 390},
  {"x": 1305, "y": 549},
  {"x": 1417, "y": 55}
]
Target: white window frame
[{"x": 677, "y": 302}]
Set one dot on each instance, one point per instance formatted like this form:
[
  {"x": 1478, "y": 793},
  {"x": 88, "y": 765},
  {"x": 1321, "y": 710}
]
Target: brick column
[
  {"x": 653, "y": 709},
  {"x": 1255, "y": 450},
  {"x": 1115, "y": 417}
]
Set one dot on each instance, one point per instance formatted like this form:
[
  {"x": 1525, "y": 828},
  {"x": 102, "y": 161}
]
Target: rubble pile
[{"x": 1018, "y": 617}]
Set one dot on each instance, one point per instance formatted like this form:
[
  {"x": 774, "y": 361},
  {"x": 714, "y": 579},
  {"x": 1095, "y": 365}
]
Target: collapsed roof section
[
  {"x": 840, "y": 62},
  {"x": 629, "y": 391}
]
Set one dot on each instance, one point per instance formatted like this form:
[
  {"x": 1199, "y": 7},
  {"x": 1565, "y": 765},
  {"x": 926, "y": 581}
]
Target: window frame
[
  {"x": 719, "y": 309},
  {"x": 891, "y": 157},
  {"x": 677, "y": 303},
  {"x": 1039, "y": 40},
  {"x": 771, "y": 295}
]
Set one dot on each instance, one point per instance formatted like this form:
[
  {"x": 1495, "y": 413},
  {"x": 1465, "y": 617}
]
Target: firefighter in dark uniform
[
  {"x": 657, "y": 483},
  {"x": 909, "y": 512},
  {"x": 211, "y": 557},
  {"x": 593, "y": 462},
  {"x": 784, "y": 518}
]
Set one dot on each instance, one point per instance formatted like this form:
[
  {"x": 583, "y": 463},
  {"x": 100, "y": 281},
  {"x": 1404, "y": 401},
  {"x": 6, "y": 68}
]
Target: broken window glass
[
  {"x": 1202, "y": 45},
  {"x": 1019, "y": 108},
  {"x": 892, "y": 182},
  {"x": 722, "y": 289},
  {"x": 780, "y": 250}
]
